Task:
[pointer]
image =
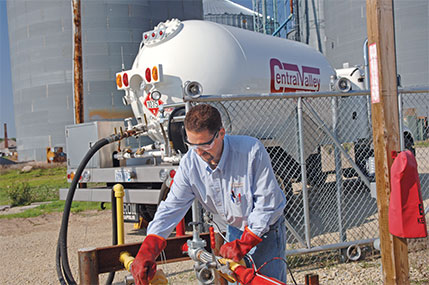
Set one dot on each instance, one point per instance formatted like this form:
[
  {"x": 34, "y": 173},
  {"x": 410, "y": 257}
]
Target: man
[{"x": 231, "y": 176}]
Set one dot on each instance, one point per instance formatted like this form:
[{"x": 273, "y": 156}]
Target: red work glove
[
  {"x": 143, "y": 267},
  {"x": 238, "y": 248}
]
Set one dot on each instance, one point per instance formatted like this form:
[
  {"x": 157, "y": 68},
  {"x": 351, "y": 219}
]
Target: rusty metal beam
[
  {"x": 88, "y": 266},
  {"x": 106, "y": 259}
]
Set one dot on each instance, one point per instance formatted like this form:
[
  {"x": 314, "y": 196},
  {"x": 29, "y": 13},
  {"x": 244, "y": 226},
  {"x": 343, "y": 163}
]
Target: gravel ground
[{"x": 28, "y": 246}]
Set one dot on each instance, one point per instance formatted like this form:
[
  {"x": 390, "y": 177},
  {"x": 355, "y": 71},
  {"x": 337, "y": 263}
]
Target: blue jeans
[{"x": 273, "y": 245}]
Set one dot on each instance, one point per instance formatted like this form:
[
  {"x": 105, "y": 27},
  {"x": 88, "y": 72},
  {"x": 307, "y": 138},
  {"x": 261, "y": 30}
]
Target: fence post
[
  {"x": 303, "y": 175},
  {"x": 338, "y": 171}
]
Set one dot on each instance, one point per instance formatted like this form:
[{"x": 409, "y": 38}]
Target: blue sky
[{"x": 6, "y": 97}]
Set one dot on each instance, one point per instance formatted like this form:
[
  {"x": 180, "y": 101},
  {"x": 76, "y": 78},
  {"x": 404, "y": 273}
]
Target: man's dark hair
[{"x": 203, "y": 117}]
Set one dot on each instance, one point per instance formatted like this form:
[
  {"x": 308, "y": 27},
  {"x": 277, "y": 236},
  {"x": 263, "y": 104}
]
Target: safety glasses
[{"x": 203, "y": 146}]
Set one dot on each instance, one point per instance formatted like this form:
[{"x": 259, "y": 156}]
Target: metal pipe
[
  {"x": 119, "y": 194},
  {"x": 282, "y": 25},
  {"x": 273, "y": 96},
  {"x": 338, "y": 144},
  {"x": 77, "y": 64},
  {"x": 367, "y": 85},
  {"x": 255, "y": 14},
  {"x": 275, "y": 13},
  {"x": 294, "y": 233},
  {"x": 264, "y": 16},
  {"x": 338, "y": 171},
  {"x": 307, "y": 22},
  {"x": 329, "y": 247},
  {"x": 401, "y": 123},
  {"x": 319, "y": 42},
  {"x": 293, "y": 95},
  {"x": 303, "y": 176}
]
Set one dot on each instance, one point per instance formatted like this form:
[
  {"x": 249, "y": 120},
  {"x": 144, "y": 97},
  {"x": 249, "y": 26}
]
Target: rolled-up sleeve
[
  {"x": 268, "y": 199},
  {"x": 174, "y": 208}
]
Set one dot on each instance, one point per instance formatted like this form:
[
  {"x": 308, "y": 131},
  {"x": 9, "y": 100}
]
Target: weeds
[{"x": 20, "y": 194}]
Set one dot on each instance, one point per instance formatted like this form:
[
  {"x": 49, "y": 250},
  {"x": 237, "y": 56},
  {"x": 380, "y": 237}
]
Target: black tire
[
  {"x": 315, "y": 176},
  {"x": 409, "y": 143},
  {"x": 285, "y": 169}
]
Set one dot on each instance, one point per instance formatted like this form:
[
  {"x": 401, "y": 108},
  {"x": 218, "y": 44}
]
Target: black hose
[
  {"x": 114, "y": 233},
  {"x": 62, "y": 262}
]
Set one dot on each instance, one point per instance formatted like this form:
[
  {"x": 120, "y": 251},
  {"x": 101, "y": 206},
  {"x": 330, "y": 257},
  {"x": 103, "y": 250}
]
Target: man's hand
[
  {"x": 143, "y": 267},
  {"x": 238, "y": 248}
]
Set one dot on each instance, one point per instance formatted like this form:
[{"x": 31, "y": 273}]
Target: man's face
[{"x": 207, "y": 145}]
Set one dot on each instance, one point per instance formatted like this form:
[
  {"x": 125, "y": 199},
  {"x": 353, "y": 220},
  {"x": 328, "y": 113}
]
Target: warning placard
[
  {"x": 373, "y": 73},
  {"x": 152, "y": 105}
]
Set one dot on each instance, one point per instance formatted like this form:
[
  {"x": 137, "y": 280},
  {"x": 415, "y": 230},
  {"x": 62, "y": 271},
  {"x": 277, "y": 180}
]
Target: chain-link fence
[{"x": 323, "y": 157}]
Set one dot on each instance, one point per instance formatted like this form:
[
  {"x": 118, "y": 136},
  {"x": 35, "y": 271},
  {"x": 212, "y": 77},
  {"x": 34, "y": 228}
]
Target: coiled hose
[{"x": 62, "y": 263}]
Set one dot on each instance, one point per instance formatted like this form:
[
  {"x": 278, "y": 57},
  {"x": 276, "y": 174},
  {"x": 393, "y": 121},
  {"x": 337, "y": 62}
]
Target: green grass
[
  {"x": 56, "y": 206},
  {"x": 422, "y": 143},
  {"x": 44, "y": 183}
]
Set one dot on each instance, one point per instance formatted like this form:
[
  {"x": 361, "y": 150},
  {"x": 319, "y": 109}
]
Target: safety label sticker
[{"x": 373, "y": 72}]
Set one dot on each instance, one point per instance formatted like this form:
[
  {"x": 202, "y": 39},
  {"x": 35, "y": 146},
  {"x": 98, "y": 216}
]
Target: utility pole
[
  {"x": 77, "y": 63},
  {"x": 385, "y": 121}
]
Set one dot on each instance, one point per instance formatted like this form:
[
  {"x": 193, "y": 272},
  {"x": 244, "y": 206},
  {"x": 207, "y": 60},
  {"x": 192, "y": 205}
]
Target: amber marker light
[
  {"x": 155, "y": 73},
  {"x": 119, "y": 80}
]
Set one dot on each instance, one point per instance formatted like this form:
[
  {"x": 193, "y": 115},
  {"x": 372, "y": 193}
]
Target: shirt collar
[{"x": 225, "y": 153}]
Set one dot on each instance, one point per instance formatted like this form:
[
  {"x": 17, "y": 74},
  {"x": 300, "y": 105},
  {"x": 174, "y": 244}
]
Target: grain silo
[
  {"x": 40, "y": 34},
  {"x": 228, "y": 13},
  {"x": 339, "y": 28}
]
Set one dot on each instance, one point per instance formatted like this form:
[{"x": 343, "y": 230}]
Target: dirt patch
[{"x": 28, "y": 253}]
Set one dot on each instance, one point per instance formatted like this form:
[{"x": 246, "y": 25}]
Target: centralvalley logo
[{"x": 287, "y": 77}]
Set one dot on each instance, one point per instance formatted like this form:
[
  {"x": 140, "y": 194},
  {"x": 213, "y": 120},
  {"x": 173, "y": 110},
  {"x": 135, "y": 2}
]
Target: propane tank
[{"x": 201, "y": 57}]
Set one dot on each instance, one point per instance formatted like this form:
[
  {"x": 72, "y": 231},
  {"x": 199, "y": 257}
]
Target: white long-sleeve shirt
[{"x": 242, "y": 189}]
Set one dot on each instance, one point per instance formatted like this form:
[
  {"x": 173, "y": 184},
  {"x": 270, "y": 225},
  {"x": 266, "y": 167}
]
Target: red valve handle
[{"x": 212, "y": 238}]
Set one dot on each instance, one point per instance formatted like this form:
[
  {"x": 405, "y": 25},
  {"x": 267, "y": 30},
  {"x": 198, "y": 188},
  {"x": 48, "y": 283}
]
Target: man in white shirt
[{"x": 231, "y": 176}]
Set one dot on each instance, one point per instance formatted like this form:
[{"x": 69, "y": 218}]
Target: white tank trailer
[
  {"x": 216, "y": 59},
  {"x": 196, "y": 58}
]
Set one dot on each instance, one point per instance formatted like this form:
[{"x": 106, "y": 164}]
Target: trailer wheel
[
  {"x": 409, "y": 142},
  {"x": 285, "y": 169},
  {"x": 146, "y": 211},
  {"x": 176, "y": 131},
  {"x": 315, "y": 176}
]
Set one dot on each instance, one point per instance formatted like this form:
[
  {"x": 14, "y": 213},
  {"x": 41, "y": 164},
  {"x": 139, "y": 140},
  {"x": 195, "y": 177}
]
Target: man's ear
[{"x": 222, "y": 132}]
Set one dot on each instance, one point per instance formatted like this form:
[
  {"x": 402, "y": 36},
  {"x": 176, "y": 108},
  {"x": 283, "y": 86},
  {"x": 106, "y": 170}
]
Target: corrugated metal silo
[
  {"x": 40, "y": 34},
  {"x": 343, "y": 30},
  {"x": 228, "y": 13}
]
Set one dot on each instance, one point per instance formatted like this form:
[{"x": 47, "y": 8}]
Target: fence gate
[{"x": 322, "y": 154}]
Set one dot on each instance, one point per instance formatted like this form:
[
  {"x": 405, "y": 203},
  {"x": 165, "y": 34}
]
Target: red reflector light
[
  {"x": 68, "y": 176},
  {"x": 145, "y": 37},
  {"x": 172, "y": 173},
  {"x": 125, "y": 79},
  {"x": 148, "y": 77},
  {"x": 153, "y": 35},
  {"x": 160, "y": 33}
]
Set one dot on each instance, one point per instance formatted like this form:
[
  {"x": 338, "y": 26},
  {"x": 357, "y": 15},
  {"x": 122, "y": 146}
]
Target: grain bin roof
[{"x": 218, "y": 7}]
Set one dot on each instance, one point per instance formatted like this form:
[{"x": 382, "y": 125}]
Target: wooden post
[
  {"x": 77, "y": 63},
  {"x": 385, "y": 121}
]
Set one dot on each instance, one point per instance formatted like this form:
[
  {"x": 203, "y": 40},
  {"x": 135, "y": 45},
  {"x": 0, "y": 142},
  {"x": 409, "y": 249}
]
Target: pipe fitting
[
  {"x": 119, "y": 190},
  {"x": 126, "y": 259}
]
